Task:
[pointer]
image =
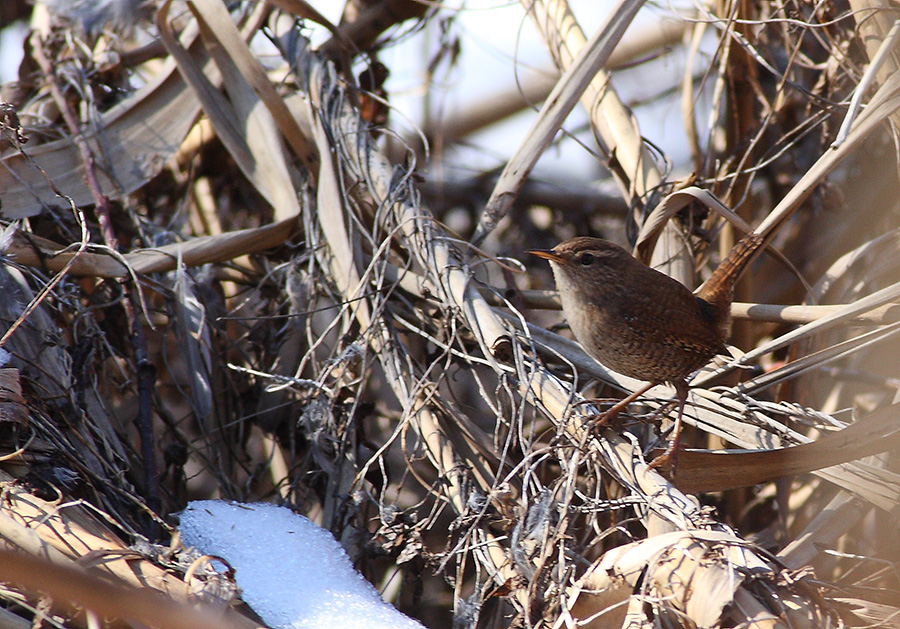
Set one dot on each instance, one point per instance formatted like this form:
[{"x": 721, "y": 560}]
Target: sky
[
  {"x": 500, "y": 42},
  {"x": 11, "y": 39}
]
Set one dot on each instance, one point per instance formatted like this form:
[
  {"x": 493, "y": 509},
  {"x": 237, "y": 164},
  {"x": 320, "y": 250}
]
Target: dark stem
[{"x": 146, "y": 382}]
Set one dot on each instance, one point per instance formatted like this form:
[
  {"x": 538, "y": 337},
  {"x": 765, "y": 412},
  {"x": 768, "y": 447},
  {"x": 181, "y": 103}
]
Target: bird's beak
[{"x": 547, "y": 254}]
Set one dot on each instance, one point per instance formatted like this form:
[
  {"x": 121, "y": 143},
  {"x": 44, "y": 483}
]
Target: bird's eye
[{"x": 587, "y": 259}]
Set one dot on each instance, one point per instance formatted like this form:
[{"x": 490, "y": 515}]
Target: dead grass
[{"x": 227, "y": 282}]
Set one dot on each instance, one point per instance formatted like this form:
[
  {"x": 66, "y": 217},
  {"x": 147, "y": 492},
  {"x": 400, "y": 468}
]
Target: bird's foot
[
  {"x": 670, "y": 456},
  {"x": 667, "y": 460}
]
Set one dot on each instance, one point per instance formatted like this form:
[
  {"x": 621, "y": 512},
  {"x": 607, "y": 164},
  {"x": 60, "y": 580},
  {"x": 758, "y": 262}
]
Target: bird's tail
[{"x": 718, "y": 290}]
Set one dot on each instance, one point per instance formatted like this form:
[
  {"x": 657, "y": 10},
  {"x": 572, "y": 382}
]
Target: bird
[{"x": 642, "y": 323}]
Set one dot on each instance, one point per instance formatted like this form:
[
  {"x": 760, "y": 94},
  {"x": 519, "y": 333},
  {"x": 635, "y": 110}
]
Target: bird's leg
[
  {"x": 671, "y": 452},
  {"x": 610, "y": 414}
]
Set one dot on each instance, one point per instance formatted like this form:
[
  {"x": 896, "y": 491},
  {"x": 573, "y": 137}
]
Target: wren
[{"x": 642, "y": 323}]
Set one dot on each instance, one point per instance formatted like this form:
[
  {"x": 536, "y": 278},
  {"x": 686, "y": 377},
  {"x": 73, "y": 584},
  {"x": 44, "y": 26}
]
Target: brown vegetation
[{"x": 231, "y": 275}]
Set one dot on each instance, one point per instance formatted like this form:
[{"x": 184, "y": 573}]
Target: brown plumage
[{"x": 640, "y": 322}]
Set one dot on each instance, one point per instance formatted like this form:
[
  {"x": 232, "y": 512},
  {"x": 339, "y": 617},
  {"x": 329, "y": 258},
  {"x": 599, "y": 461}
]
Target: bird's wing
[{"x": 673, "y": 316}]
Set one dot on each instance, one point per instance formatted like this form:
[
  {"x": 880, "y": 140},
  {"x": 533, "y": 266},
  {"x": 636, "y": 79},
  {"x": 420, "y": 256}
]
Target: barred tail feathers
[{"x": 718, "y": 290}]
